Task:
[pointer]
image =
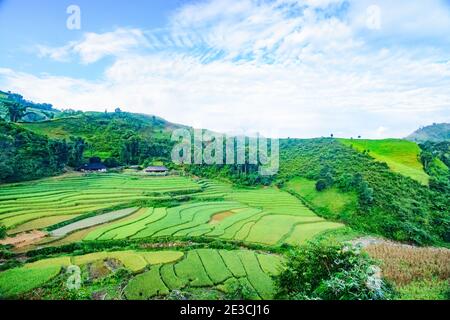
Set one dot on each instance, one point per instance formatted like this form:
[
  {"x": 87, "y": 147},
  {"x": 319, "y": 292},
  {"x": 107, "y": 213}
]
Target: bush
[
  {"x": 330, "y": 272},
  {"x": 2, "y": 231},
  {"x": 321, "y": 185}
]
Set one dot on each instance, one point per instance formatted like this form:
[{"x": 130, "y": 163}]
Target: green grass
[
  {"x": 425, "y": 290},
  {"x": 17, "y": 281},
  {"x": 401, "y": 156},
  {"x": 331, "y": 202}
]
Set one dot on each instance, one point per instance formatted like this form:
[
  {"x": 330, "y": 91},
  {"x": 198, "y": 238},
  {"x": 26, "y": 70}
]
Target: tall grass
[{"x": 405, "y": 264}]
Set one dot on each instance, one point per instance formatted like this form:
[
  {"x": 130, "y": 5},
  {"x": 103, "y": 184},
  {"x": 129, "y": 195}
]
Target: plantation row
[
  {"x": 78, "y": 195},
  {"x": 167, "y": 270},
  {"x": 236, "y": 222}
]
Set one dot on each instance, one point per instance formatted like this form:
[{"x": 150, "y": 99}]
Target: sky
[{"x": 283, "y": 68}]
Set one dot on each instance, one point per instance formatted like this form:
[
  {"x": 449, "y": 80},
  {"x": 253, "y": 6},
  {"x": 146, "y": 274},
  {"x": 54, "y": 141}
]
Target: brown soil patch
[
  {"x": 218, "y": 217},
  {"x": 98, "y": 270},
  {"x": 24, "y": 239}
]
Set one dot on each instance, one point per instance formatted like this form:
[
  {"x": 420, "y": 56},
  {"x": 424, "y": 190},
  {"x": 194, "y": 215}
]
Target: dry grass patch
[{"x": 403, "y": 264}]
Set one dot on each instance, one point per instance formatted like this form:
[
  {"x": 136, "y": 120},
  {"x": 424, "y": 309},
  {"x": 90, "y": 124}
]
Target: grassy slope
[
  {"x": 401, "y": 156},
  {"x": 330, "y": 203}
]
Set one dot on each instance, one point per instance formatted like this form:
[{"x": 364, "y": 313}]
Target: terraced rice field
[
  {"x": 240, "y": 222},
  {"x": 22, "y": 203},
  {"x": 208, "y": 268},
  {"x": 159, "y": 272},
  {"x": 266, "y": 216}
]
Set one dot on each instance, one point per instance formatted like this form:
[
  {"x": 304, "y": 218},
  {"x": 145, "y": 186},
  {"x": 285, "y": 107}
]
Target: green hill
[
  {"x": 34, "y": 111},
  {"x": 389, "y": 204},
  {"x": 400, "y": 155},
  {"x": 106, "y": 133},
  {"x": 26, "y": 155},
  {"x": 437, "y": 132}
]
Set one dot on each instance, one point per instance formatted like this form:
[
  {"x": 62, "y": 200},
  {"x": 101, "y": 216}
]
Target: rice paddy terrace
[{"x": 100, "y": 208}]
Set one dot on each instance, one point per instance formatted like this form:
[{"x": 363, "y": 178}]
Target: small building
[
  {"x": 157, "y": 170},
  {"x": 94, "y": 167}
]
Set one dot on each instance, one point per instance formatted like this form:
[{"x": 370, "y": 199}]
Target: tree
[
  {"x": 15, "y": 110},
  {"x": 117, "y": 110},
  {"x": 321, "y": 185},
  {"x": 76, "y": 150}
]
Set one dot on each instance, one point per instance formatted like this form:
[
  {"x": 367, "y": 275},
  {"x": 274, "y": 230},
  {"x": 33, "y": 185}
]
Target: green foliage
[
  {"x": 330, "y": 272},
  {"x": 435, "y": 157},
  {"x": 121, "y": 137},
  {"x": 27, "y": 156},
  {"x": 400, "y": 155},
  {"x": 2, "y": 231},
  {"x": 425, "y": 290},
  {"x": 388, "y": 204}
]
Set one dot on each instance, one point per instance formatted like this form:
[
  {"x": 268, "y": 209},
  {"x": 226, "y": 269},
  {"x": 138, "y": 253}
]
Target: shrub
[
  {"x": 331, "y": 272},
  {"x": 2, "y": 231},
  {"x": 321, "y": 185}
]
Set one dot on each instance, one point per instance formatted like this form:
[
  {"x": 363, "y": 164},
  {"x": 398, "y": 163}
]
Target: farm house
[
  {"x": 93, "y": 167},
  {"x": 157, "y": 170}
]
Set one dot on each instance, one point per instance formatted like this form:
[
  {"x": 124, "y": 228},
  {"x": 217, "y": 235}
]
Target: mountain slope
[
  {"x": 388, "y": 203},
  {"x": 400, "y": 155},
  {"x": 25, "y": 155},
  {"x": 437, "y": 132}
]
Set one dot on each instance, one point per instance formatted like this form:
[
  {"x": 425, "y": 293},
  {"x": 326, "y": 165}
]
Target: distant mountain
[{"x": 437, "y": 132}]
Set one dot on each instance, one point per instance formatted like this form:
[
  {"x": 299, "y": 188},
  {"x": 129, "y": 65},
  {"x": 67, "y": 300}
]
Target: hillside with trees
[
  {"x": 437, "y": 132},
  {"x": 27, "y": 156}
]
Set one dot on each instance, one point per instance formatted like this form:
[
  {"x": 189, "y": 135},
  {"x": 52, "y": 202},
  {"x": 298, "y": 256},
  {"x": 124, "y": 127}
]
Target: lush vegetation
[
  {"x": 227, "y": 227},
  {"x": 26, "y": 155},
  {"x": 117, "y": 138},
  {"x": 400, "y": 155},
  {"x": 331, "y": 272},
  {"x": 389, "y": 204}
]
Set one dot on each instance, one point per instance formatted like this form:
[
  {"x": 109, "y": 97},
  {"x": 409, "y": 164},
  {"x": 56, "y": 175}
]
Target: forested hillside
[
  {"x": 390, "y": 204},
  {"x": 437, "y": 132},
  {"x": 117, "y": 137},
  {"x": 25, "y": 155}
]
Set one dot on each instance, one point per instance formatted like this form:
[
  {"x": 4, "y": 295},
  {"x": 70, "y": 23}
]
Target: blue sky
[{"x": 299, "y": 68}]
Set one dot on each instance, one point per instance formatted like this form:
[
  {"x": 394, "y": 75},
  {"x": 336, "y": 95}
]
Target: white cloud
[
  {"x": 94, "y": 46},
  {"x": 279, "y": 73}
]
